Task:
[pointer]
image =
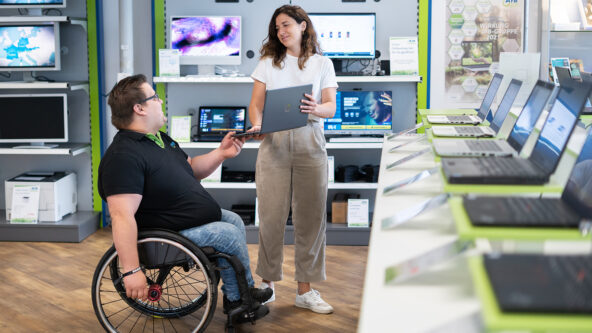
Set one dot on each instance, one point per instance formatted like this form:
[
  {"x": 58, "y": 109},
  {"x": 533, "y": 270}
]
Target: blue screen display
[
  {"x": 27, "y": 46},
  {"x": 362, "y": 111}
]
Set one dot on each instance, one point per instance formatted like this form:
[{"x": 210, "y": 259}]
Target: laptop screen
[
  {"x": 506, "y": 104},
  {"x": 219, "y": 120},
  {"x": 559, "y": 125},
  {"x": 530, "y": 114},
  {"x": 587, "y": 77},
  {"x": 490, "y": 95},
  {"x": 361, "y": 112},
  {"x": 578, "y": 190}
]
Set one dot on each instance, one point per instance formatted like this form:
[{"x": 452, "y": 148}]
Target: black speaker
[
  {"x": 385, "y": 65},
  {"x": 376, "y": 54},
  {"x": 250, "y": 54}
]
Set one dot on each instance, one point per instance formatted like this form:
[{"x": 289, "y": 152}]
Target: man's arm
[
  {"x": 204, "y": 165},
  {"x": 122, "y": 208}
]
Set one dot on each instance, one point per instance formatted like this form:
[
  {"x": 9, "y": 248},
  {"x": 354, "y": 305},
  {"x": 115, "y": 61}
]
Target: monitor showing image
[
  {"x": 346, "y": 35},
  {"x": 361, "y": 112},
  {"x": 207, "y": 40},
  {"x": 477, "y": 55},
  {"x": 34, "y": 118},
  {"x": 29, "y": 47},
  {"x": 216, "y": 121},
  {"x": 32, "y": 3}
]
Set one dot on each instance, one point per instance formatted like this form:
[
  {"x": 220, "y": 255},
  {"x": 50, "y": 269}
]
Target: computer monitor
[
  {"x": 206, "y": 40},
  {"x": 346, "y": 35},
  {"x": 32, "y": 4},
  {"x": 216, "y": 121},
  {"x": 361, "y": 113},
  {"x": 34, "y": 119},
  {"x": 30, "y": 47}
]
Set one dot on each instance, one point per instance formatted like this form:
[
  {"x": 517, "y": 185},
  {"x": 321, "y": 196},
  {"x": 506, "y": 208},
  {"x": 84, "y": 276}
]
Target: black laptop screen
[
  {"x": 490, "y": 95},
  {"x": 506, "y": 104},
  {"x": 530, "y": 114},
  {"x": 558, "y": 127},
  {"x": 220, "y": 120},
  {"x": 578, "y": 190}
]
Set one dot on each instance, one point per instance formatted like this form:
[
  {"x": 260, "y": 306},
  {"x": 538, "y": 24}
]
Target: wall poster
[{"x": 476, "y": 32}]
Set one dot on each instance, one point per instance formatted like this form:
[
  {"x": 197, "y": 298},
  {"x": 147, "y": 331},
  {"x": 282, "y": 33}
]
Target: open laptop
[
  {"x": 568, "y": 211},
  {"x": 539, "y": 283},
  {"x": 215, "y": 121},
  {"x": 282, "y": 110},
  {"x": 477, "y": 56},
  {"x": 483, "y": 110},
  {"x": 587, "y": 77},
  {"x": 484, "y": 131},
  {"x": 544, "y": 158},
  {"x": 512, "y": 146}
]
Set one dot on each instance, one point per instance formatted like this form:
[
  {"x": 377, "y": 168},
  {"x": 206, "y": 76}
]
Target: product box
[{"x": 339, "y": 206}]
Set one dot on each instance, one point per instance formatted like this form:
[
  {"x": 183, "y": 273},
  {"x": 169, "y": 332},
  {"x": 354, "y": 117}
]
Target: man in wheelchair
[{"x": 148, "y": 181}]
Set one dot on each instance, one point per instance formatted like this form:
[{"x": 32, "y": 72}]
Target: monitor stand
[
  {"x": 36, "y": 145},
  {"x": 206, "y": 70},
  {"x": 28, "y": 77}
]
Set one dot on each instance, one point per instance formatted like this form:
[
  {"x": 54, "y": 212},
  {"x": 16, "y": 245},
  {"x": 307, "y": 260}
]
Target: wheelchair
[{"x": 183, "y": 287}]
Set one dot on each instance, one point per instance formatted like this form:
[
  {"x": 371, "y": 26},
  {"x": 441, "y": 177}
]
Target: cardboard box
[{"x": 339, "y": 206}]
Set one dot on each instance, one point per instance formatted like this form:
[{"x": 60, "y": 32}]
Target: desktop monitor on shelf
[
  {"x": 346, "y": 35},
  {"x": 30, "y": 47},
  {"x": 206, "y": 40},
  {"x": 32, "y": 3},
  {"x": 34, "y": 119},
  {"x": 361, "y": 113}
]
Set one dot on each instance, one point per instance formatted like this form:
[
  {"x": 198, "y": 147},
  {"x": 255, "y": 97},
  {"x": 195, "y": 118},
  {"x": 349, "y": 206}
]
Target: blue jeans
[{"x": 226, "y": 236}]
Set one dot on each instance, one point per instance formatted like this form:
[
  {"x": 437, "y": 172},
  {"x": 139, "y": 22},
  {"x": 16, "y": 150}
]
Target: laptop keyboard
[
  {"x": 537, "y": 211},
  {"x": 468, "y": 130},
  {"x": 459, "y": 119},
  {"x": 501, "y": 166},
  {"x": 481, "y": 145}
]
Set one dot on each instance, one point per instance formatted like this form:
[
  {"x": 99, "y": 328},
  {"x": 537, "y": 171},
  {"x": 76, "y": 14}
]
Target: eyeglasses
[{"x": 155, "y": 96}]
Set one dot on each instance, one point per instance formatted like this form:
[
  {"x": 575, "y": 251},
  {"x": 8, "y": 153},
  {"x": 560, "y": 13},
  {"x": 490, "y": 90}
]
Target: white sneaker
[
  {"x": 312, "y": 300},
  {"x": 264, "y": 285}
]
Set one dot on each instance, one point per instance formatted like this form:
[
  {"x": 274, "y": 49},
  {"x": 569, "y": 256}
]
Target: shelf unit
[
  {"x": 255, "y": 145},
  {"x": 332, "y": 186},
  {"x": 78, "y": 78},
  {"x": 337, "y": 234},
  {"x": 246, "y": 79}
]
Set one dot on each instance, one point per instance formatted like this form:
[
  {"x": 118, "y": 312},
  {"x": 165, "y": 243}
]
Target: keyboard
[
  {"x": 350, "y": 74},
  {"x": 482, "y": 145},
  {"x": 496, "y": 166},
  {"x": 459, "y": 119},
  {"x": 538, "y": 211},
  {"x": 468, "y": 130}
]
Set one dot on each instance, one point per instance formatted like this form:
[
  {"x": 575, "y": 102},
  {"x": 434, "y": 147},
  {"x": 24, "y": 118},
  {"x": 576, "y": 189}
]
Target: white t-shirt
[{"x": 318, "y": 70}]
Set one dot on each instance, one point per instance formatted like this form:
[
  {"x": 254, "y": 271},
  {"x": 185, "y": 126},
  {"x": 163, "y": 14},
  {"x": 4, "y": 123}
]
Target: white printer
[{"x": 57, "y": 196}]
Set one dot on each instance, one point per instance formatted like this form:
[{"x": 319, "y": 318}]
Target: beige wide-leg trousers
[{"x": 292, "y": 169}]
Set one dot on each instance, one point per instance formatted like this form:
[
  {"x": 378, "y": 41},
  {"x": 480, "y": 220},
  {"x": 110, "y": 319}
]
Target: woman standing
[{"x": 292, "y": 165}]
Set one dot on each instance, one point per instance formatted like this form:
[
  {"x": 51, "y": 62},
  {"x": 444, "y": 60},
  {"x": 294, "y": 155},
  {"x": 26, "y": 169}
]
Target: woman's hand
[
  {"x": 256, "y": 128},
  {"x": 309, "y": 105}
]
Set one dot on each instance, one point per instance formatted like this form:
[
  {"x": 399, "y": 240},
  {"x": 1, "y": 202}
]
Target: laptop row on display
[{"x": 530, "y": 283}]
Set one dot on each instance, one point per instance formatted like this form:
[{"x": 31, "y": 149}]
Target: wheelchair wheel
[{"x": 182, "y": 281}]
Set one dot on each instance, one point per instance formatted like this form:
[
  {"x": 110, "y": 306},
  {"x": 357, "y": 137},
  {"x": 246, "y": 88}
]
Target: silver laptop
[
  {"x": 484, "y": 131},
  {"x": 483, "y": 110},
  {"x": 282, "y": 110},
  {"x": 538, "y": 99}
]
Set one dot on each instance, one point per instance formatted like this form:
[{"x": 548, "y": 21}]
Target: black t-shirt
[{"x": 172, "y": 198}]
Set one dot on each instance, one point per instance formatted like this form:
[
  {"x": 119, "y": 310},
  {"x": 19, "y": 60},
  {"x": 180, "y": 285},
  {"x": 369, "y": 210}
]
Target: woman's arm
[{"x": 257, "y": 103}]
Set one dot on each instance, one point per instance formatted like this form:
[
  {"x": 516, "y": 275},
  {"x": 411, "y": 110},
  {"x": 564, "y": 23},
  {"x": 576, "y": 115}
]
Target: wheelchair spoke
[{"x": 124, "y": 319}]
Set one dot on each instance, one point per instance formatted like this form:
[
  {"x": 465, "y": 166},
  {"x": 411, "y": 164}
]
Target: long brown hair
[{"x": 272, "y": 46}]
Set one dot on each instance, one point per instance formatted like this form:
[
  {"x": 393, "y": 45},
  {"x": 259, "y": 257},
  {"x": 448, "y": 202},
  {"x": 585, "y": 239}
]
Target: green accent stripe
[
  {"x": 423, "y": 48},
  {"x": 159, "y": 43},
  {"x": 93, "y": 85}
]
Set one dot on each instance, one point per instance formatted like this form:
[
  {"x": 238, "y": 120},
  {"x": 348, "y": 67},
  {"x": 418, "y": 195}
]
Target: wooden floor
[{"x": 45, "y": 287}]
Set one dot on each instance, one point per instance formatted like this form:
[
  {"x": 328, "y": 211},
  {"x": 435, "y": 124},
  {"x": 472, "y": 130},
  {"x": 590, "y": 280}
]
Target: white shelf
[
  {"x": 11, "y": 19},
  {"x": 341, "y": 186},
  {"x": 255, "y": 145},
  {"x": 71, "y": 149},
  {"x": 44, "y": 85},
  {"x": 246, "y": 79}
]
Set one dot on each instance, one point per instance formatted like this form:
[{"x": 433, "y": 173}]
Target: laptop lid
[
  {"x": 282, "y": 109},
  {"x": 216, "y": 121},
  {"x": 534, "y": 106},
  {"x": 490, "y": 95},
  {"x": 563, "y": 75},
  {"x": 505, "y": 105},
  {"x": 559, "y": 125},
  {"x": 577, "y": 193},
  {"x": 587, "y": 77}
]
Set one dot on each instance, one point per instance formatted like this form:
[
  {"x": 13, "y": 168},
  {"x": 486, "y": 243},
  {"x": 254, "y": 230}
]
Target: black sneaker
[{"x": 261, "y": 295}]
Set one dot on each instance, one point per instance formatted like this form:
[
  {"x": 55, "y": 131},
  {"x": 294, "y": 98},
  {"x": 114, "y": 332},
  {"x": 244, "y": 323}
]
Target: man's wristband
[{"x": 133, "y": 271}]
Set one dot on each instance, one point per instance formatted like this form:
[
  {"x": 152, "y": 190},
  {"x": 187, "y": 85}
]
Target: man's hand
[
  {"x": 230, "y": 147},
  {"x": 136, "y": 286}
]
